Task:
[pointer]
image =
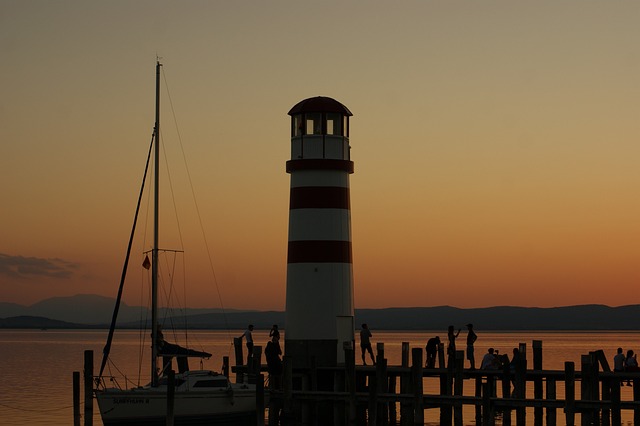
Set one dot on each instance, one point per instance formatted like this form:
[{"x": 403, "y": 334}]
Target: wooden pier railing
[{"x": 390, "y": 395}]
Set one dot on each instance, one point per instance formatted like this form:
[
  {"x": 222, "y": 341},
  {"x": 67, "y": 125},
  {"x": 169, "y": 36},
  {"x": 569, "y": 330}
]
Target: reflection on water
[{"x": 36, "y": 366}]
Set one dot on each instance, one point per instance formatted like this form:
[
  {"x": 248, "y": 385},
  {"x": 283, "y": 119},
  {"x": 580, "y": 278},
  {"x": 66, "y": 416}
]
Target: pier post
[
  {"x": 478, "y": 394},
  {"x": 606, "y": 386},
  {"x": 446, "y": 377},
  {"x": 458, "y": 387},
  {"x": 392, "y": 404},
  {"x": 520, "y": 385},
  {"x": 225, "y": 366},
  {"x": 350, "y": 379},
  {"x": 416, "y": 369},
  {"x": 488, "y": 414},
  {"x": 506, "y": 393},
  {"x": 382, "y": 381},
  {"x": 569, "y": 393},
  {"x": 373, "y": 399},
  {"x": 237, "y": 346},
  {"x": 406, "y": 411},
  {"x": 260, "y": 399},
  {"x": 88, "y": 388},
  {"x": 171, "y": 391},
  {"x": 339, "y": 385},
  {"x": 594, "y": 383},
  {"x": 636, "y": 398},
  {"x": 76, "y": 398},
  {"x": 537, "y": 381},
  {"x": 256, "y": 361},
  {"x": 379, "y": 350},
  {"x": 586, "y": 387},
  {"x": 616, "y": 415},
  {"x": 551, "y": 395},
  {"x": 287, "y": 385}
]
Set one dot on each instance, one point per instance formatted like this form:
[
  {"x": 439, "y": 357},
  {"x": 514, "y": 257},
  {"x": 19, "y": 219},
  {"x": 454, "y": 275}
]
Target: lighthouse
[{"x": 319, "y": 296}]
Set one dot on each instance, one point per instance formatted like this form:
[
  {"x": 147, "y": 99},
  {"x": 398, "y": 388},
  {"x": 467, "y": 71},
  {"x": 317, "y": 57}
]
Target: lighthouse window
[
  {"x": 314, "y": 124},
  {"x": 334, "y": 124},
  {"x": 297, "y": 124}
]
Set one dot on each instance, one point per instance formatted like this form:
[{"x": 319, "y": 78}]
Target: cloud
[{"x": 29, "y": 267}]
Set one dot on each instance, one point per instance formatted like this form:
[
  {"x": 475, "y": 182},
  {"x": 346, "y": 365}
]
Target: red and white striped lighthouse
[{"x": 319, "y": 306}]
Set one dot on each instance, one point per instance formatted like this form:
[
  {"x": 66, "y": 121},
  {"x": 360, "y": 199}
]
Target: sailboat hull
[{"x": 193, "y": 405}]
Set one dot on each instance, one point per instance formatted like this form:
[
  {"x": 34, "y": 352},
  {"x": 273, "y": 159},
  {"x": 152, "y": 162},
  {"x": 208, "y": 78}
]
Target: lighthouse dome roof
[{"x": 319, "y": 104}]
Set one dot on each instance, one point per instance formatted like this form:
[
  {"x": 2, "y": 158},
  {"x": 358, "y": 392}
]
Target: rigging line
[
  {"x": 177, "y": 218},
  {"x": 127, "y": 381},
  {"x": 107, "y": 347},
  {"x": 184, "y": 157},
  {"x": 173, "y": 197}
]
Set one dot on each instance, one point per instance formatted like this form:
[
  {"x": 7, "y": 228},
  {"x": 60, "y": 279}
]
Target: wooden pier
[{"x": 400, "y": 395}]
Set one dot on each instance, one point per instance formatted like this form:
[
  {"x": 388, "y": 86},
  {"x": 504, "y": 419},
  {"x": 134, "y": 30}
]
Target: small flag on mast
[{"x": 146, "y": 264}]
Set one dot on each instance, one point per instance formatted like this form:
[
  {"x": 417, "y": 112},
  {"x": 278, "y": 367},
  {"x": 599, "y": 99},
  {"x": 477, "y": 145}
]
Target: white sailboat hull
[{"x": 192, "y": 405}]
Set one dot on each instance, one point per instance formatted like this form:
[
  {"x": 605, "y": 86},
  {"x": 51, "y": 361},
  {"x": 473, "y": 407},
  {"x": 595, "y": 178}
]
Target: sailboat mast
[{"x": 154, "y": 255}]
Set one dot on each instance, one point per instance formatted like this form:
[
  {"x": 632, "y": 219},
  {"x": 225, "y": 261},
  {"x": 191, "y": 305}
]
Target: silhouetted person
[
  {"x": 618, "y": 363},
  {"x": 490, "y": 361},
  {"x": 514, "y": 360},
  {"x": 451, "y": 348},
  {"x": 471, "y": 339},
  {"x": 272, "y": 354},
  {"x": 432, "y": 347},
  {"x": 249, "y": 341},
  {"x": 365, "y": 343},
  {"x": 630, "y": 363},
  {"x": 274, "y": 333}
]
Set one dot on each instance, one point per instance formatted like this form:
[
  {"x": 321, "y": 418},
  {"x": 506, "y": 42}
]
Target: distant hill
[
  {"x": 34, "y": 322},
  {"x": 95, "y": 311},
  {"x": 89, "y": 309},
  {"x": 582, "y": 317},
  {"x": 81, "y": 308}
]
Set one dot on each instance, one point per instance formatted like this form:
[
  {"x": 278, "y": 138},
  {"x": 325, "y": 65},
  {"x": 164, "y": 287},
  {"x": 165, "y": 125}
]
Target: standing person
[
  {"x": 272, "y": 354},
  {"x": 274, "y": 333},
  {"x": 630, "y": 363},
  {"x": 451, "y": 348},
  {"x": 432, "y": 347},
  {"x": 471, "y": 339},
  {"x": 249, "y": 341},
  {"x": 365, "y": 343},
  {"x": 618, "y": 363}
]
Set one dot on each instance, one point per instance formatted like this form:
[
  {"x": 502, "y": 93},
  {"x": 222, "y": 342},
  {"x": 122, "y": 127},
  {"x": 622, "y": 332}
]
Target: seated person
[{"x": 490, "y": 361}]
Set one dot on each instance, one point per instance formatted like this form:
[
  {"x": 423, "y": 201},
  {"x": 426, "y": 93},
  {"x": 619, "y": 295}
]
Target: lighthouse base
[{"x": 303, "y": 351}]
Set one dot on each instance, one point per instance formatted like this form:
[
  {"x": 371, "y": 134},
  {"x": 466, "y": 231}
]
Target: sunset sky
[{"x": 495, "y": 143}]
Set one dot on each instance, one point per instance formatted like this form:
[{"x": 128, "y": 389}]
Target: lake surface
[{"x": 36, "y": 366}]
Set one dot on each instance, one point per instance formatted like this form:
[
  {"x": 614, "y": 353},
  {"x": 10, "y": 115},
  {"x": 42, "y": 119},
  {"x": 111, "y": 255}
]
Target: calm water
[{"x": 36, "y": 367}]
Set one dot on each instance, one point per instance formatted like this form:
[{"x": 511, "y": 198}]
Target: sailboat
[{"x": 194, "y": 397}]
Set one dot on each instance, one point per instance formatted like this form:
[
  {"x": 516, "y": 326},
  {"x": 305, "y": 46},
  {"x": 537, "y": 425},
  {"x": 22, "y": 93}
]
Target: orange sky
[{"x": 495, "y": 145}]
